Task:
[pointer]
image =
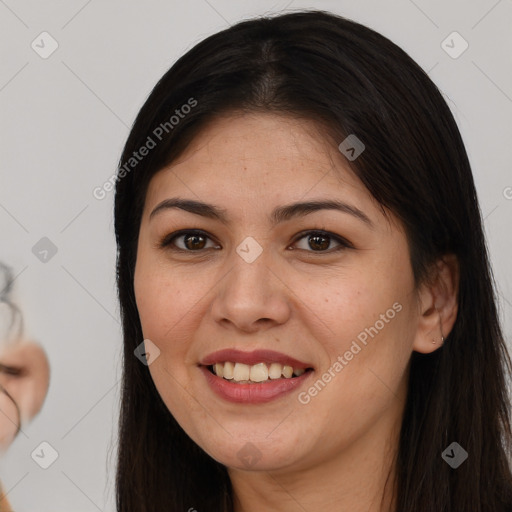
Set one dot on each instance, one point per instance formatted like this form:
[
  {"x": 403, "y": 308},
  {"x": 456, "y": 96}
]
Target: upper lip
[{"x": 251, "y": 358}]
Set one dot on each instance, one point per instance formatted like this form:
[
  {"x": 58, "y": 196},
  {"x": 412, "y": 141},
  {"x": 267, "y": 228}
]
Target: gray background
[{"x": 64, "y": 120}]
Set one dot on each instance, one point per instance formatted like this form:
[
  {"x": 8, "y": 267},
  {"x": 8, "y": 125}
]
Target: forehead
[{"x": 238, "y": 160}]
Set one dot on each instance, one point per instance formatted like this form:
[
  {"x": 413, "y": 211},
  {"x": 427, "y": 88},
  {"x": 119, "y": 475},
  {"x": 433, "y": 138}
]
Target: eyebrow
[{"x": 279, "y": 214}]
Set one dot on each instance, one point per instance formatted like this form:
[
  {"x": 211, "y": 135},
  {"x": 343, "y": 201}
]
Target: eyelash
[
  {"x": 167, "y": 241},
  {"x": 9, "y": 370}
]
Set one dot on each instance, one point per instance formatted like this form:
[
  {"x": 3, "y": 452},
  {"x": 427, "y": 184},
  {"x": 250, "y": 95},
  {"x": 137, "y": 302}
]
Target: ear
[
  {"x": 438, "y": 305},
  {"x": 29, "y": 388}
]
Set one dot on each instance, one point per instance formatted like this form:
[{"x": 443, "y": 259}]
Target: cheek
[
  {"x": 349, "y": 305},
  {"x": 165, "y": 307},
  {"x": 370, "y": 323},
  {"x": 8, "y": 421},
  {"x": 161, "y": 298},
  {"x": 171, "y": 305}
]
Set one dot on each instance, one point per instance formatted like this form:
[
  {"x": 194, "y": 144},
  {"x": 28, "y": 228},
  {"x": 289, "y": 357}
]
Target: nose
[{"x": 251, "y": 296}]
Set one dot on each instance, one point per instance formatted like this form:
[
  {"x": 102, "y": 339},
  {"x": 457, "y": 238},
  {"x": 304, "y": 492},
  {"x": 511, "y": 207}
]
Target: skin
[
  {"x": 334, "y": 452},
  {"x": 28, "y": 389}
]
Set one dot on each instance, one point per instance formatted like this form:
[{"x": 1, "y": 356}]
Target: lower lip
[{"x": 253, "y": 393}]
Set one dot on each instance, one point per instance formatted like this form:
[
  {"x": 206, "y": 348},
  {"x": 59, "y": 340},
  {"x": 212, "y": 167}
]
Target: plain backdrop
[{"x": 64, "y": 120}]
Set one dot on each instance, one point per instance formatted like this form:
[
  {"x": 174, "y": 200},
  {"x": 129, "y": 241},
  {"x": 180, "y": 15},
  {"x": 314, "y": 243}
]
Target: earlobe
[{"x": 438, "y": 306}]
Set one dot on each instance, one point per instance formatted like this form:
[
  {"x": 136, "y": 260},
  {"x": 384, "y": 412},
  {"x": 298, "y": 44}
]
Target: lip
[
  {"x": 253, "y": 393},
  {"x": 251, "y": 358}
]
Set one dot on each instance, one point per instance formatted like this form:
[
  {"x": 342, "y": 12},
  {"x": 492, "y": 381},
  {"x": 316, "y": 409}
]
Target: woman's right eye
[{"x": 187, "y": 241}]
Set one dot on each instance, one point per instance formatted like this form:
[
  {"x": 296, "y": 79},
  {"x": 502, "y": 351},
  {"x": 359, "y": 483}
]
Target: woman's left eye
[
  {"x": 195, "y": 241},
  {"x": 319, "y": 241}
]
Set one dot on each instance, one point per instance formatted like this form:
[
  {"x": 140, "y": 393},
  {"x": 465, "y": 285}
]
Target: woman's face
[
  {"x": 341, "y": 303},
  {"x": 8, "y": 418},
  {"x": 24, "y": 381}
]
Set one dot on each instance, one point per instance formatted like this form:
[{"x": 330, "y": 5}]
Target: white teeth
[
  {"x": 228, "y": 370},
  {"x": 287, "y": 371},
  {"x": 274, "y": 372},
  {"x": 241, "y": 372},
  {"x": 219, "y": 369},
  {"x": 261, "y": 372}
]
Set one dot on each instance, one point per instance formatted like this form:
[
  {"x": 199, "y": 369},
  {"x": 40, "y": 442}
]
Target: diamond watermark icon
[
  {"x": 44, "y": 250},
  {"x": 147, "y": 352},
  {"x": 352, "y": 147},
  {"x": 454, "y": 455},
  {"x": 454, "y": 45},
  {"x": 44, "y": 45},
  {"x": 249, "y": 249},
  {"x": 249, "y": 455},
  {"x": 44, "y": 455}
]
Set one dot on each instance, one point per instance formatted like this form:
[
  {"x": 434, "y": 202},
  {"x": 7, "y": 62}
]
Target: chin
[{"x": 259, "y": 454}]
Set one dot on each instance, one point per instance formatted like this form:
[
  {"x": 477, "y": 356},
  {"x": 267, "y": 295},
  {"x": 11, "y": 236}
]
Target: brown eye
[
  {"x": 320, "y": 241},
  {"x": 194, "y": 242},
  {"x": 188, "y": 241}
]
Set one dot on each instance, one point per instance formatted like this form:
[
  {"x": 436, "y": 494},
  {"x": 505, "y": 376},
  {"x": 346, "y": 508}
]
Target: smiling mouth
[{"x": 241, "y": 373}]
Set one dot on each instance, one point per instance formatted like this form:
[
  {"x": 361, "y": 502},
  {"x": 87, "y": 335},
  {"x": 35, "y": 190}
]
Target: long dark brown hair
[{"x": 348, "y": 79}]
